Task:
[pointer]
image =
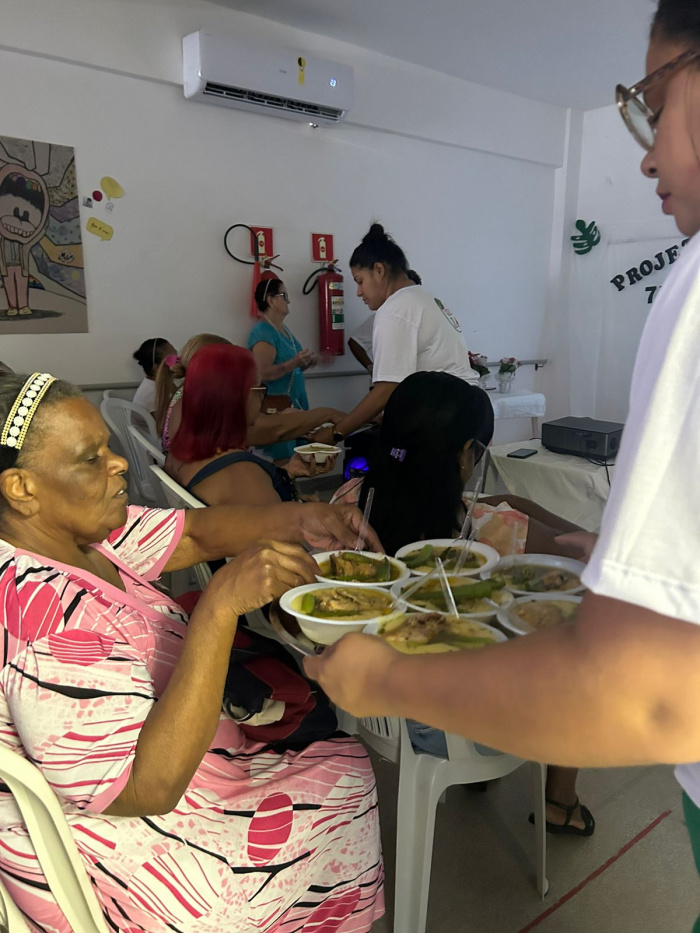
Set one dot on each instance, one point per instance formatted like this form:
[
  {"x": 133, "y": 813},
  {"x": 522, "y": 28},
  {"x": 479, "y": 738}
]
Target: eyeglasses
[
  {"x": 262, "y": 390},
  {"x": 282, "y": 295},
  {"x": 639, "y": 118},
  {"x": 479, "y": 450}
]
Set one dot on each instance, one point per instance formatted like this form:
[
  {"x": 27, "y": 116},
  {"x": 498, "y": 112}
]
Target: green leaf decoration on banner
[{"x": 587, "y": 237}]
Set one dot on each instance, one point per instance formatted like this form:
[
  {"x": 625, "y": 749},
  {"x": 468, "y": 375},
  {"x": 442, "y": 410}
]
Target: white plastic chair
[
  {"x": 120, "y": 415},
  {"x": 178, "y": 498},
  {"x": 423, "y": 779},
  {"x": 143, "y": 453},
  {"x": 55, "y": 848},
  {"x": 146, "y": 443}
]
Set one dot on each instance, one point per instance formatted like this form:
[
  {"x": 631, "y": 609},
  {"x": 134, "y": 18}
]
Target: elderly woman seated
[
  {"x": 182, "y": 822},
  {"x": 209, "y": 454}
]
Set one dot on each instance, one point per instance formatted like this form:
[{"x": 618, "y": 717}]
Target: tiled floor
[{"x": 483, "y": 879}]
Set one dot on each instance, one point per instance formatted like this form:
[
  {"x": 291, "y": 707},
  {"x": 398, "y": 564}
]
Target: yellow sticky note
[
  {"x": 302, "y": 68},
  {"x": 99, "y": 228},
  {"x": 111, "y": 187}
]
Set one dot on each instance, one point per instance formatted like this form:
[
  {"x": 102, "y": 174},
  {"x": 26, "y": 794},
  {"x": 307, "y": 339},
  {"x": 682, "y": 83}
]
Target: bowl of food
[
  {"x": 541, "y": 573},
  {"x": 529, "y": 613},
  {"x": 360, "y": 568},
  {"x": 318, "y": 452},
  {"x": 420, "y": 557},
  {"x": 325, "y": 611},
  {"x": 432, "y": 633},
  {"x": 475, "y": 599}
]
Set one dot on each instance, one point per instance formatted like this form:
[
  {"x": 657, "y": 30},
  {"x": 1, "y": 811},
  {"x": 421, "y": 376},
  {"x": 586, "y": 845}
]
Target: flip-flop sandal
[{"x": 565, "y": 828}]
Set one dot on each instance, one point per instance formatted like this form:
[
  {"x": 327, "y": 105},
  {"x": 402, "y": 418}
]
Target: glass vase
[{"x": 505, "y": 382}]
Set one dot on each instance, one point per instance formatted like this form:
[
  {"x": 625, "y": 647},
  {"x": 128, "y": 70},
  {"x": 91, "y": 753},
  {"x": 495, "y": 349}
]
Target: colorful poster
[{"x": 42, "y": 275}]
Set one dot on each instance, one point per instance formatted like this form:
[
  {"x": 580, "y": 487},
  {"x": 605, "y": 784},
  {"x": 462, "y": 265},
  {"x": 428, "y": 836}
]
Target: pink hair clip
[{"x": 171, "y": 360}]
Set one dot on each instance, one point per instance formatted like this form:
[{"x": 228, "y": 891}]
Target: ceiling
[{"x": 566, "y": 52}]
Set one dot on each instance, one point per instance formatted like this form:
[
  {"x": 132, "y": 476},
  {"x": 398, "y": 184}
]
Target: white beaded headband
[{"x": 24, "y": 408}]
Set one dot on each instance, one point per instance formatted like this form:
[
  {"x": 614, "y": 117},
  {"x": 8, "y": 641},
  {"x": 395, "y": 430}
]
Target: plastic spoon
[
  {"x": 446, "y": 590},
  {"x": 365, "y": 520}
]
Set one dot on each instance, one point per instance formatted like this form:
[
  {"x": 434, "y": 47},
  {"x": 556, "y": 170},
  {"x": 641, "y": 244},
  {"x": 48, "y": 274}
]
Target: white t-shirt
[
  {"x": 363, "y": 335},
  {"x": 414, "y": 332},
  {"x": 648, "y": 552},
  {"x": 145, "y": 395}
]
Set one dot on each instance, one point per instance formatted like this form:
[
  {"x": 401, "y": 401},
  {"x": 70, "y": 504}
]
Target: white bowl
[
  {"x": 307, "y": 452},
  {"x": 491, "y": 554},
  {"x": 326, "y": 631},
  {"x": 375, "y": 627},
  {"x": 398, "y": 588},
  {"x": 543, "y": 560},
  {"x": 508, "y": 619},
  {"x": 404, "y": 572}
]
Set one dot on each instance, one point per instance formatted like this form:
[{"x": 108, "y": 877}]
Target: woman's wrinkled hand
[
  {"x": 261, "y": 574},
  {"x": 354, "y": 672},
  {"x": 585, "y": 541},
  {"x": 329, "y": 527},
  {"x": 304, "y": 359},
  {"x": 297, "y": 466}
]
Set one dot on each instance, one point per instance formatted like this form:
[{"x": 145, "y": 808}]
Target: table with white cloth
[
  {"x": 519, "y": 404},
  {"x": 571, "y": 487}
]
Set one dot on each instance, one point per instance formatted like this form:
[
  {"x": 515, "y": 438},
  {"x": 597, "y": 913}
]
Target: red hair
[{"x": 214, "y": 402}]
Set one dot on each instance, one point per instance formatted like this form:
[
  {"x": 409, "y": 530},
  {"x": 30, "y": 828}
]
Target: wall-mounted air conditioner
[{"x": 230, "y": 72}]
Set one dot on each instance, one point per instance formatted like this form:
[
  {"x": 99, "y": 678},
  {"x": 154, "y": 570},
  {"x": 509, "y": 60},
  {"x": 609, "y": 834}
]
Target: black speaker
[{"x": 583, "y": 437}]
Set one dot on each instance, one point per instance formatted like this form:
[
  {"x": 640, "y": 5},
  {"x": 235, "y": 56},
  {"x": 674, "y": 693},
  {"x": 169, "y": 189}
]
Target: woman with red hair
[{"x": 209, "y": 454}]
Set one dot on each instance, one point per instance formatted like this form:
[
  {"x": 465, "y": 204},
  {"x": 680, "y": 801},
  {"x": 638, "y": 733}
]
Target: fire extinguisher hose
[
  {"x": 307, "y": 289},
  {"x": 247, "y": 262}
]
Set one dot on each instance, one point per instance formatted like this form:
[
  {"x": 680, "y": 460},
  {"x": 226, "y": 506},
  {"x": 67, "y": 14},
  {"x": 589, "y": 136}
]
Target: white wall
[{"x": 462, "y": 175}]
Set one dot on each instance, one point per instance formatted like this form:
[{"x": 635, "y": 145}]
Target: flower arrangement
[
  {"x": 478, "y": 362},
  {"x": 509, "y": 364}
]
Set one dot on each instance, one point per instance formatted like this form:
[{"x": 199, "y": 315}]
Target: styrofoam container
[
  {"x": 504, "y": 598},
  {"x": 327, "y": 631},
  {"x": 509, "y": 620},
  {"x": 491, "y": 555},
  {"x": 375, "y": 628},
  {"x": 307, "y": 452},
  {"x": 404, "y": 572},
  {"x": 543, "y": 560}
]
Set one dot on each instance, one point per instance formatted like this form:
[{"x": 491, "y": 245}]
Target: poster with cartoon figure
[{"x": 42, "y": 277}]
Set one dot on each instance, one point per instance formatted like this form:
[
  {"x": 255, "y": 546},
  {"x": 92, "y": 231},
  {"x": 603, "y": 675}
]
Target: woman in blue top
[{"x": 279, "y": 355}]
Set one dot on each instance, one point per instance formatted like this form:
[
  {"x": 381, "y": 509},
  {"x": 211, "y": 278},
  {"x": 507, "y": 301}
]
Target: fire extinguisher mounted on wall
[
  {"x": 331, "y": 311},
  {"x": 262, "y": 266}
]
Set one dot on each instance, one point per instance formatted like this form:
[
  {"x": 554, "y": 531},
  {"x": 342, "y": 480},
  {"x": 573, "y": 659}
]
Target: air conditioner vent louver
[{"x": 269, "y": 101}]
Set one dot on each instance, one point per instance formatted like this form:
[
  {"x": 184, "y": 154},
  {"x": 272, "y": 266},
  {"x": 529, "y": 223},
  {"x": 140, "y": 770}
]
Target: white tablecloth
[
  {"x": 518, "y": 404},
  {"x": 567, "y": 486}
]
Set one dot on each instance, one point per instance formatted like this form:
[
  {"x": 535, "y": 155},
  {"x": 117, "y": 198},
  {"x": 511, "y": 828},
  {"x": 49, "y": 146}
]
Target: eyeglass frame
[
  {"x": 478, "y": 449},
  {"x": 623, "y": 95},
  {"x": 284, "y": 295},
  {"x": 261, "y": 388}
]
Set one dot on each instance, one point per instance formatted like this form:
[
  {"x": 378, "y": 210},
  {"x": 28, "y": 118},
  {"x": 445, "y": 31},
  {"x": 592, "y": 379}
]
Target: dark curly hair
[{"x": 378, "y": 246}]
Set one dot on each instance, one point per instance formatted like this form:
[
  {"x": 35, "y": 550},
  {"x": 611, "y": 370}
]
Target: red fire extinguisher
[
  {"x": 331, "y": 313},
  {"x": 262, "y": 267}
]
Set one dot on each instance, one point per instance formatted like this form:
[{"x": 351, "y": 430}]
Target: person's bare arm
[
  {"x": 238, "y": 484},
  {"x": 180, "y": 727},
  {"x": 543, "y": 527},
  {"x": 620, "y": 687},
  {"x": 368, "y": 408},
  {"x": 289, "y": 424},
  {"x": 225, "y": 530},
  {"x": 265, "y": 353},
  {"x": 360, "y": 354}
]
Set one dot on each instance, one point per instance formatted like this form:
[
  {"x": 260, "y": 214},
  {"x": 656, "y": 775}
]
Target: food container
[
  {"x": 318, "y": 452},
  {"x": 489, "y": 557},
  {"x": 474, "y": 628},
  {"x": 399, "y": 571},
  {"x": 509, "y": 619},
  {"x": 328, "y": 631},
  {"x": 541, "y": 560},
  {"x": 500, "y": 596}
]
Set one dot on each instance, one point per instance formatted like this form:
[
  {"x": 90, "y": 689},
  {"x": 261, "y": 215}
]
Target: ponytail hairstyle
[
  {"x": 414, "y": 277},
  {"x": 416, "y": 471},
  {"x": 378, "y": 246},
  {"x": 215, "y": 403},
  {"x": 173, "y": 369},
  {"x": 151, "y": 354},
  {"x": 266, "y": 289},
  {"x": 677, "y": 21}
]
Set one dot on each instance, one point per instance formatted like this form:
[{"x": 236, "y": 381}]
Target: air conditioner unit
[{"x": 230, "y": 72}]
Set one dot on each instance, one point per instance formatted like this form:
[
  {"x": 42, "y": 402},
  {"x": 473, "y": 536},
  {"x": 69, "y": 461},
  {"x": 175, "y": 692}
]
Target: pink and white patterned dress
[{"x": 259, "y": 843}]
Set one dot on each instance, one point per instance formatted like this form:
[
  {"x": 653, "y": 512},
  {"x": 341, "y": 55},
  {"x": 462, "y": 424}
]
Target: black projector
[{"x": 582, "y": 437}]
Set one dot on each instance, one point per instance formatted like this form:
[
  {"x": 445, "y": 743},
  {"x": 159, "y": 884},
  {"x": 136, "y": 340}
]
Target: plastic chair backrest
[
  {"x": 53, "y": 843},
  {"x": 120, "y": 416},
  {"x": 382, "y": 734},
  {"x": 179, "y": 498},
  {"x": 151, "y": 449}
]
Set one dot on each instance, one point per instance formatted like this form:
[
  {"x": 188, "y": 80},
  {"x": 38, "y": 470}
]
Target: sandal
[{"x": 565, "y": 828}]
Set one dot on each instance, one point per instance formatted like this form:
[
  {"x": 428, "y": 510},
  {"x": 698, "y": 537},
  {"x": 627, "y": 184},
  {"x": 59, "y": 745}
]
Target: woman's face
[
  {"x": 675, "y": 158},
  {"x": 372, "y": 284},
  {"x": 280, "y": 301},
  {"x": 74, "y": 484}
]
